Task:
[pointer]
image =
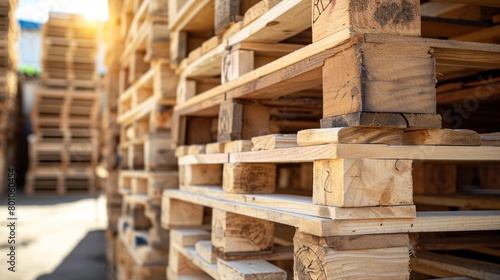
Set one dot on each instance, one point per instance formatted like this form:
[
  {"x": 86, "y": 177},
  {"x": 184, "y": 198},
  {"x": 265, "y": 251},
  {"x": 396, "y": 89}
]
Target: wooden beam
[
  {"x": 424, "y": 222},
  {"x": 362, "y": 182},
  {"x": 380, "y": 259},
  {"x": 249, "y": 269},
  {"x": 179, "y": 213},
  {"x": 354, "y": 135},
  {"x": 237, "y": 234},
  {"x": 249, "y": 178},
  {"x": 368, "y": 78},
  {"x": 442, "y": 137},
  {"x": 389, "y": 17}
]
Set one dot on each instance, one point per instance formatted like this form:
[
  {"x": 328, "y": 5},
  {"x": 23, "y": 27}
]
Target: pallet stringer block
[
  {"x": 362, "y": 182},
  {"x": 234, "y": 234},
  {"x": 242, "y": 120},
  {"x": 356, "y": 257}
]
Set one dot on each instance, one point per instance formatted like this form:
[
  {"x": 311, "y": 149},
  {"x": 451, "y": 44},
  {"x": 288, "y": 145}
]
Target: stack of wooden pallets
[
  {"x": 147, "y": 90},
  {"x": 64, "y": 147},
  {"x": 110, "y": 130},
  {"x": 8, "y": 83},
  {"x": 309, "y": 129}
]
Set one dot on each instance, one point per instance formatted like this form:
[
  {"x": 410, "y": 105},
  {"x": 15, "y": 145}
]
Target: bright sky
[{"x": 37, "y": 10}]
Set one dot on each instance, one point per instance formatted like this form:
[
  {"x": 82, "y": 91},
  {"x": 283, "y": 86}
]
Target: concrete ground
[{"x": 57, "y": 238}]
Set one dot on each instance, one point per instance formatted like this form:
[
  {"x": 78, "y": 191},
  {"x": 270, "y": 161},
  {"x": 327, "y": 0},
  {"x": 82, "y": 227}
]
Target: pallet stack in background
[
  {"x": 8, "y": 86},
  {"x": 306, "y": 128},
  {"x": 110, "y": 129},
  {"x": 64, "y": 146},
  {"x": 148, "y": 165}
]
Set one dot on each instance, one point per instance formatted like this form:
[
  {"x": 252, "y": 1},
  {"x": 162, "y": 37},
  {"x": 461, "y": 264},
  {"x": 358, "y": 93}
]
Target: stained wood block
[
  {"x": 237, "y": 234},
  {"x": 158, "y": 153},
  {"x": 235, "y": 63},
  {"x": 379, "y": 78},
  {"x": 395, "y": 17},
  {"x": 249, "y": 269},
  {"x": 350, "y": 135},
  {"x": 200, "y": 174},
  {"x": 249, "y": 178},
  {"x": 242, "y": 121},
  {"x": 226, "y": 13},
  {"x": 178, "y": 213},
  {"x": 383, "y": 120},
  {"x": 376, "y": 257},
  {"x": 362, "y": 182},
  {"x": 444, "y": 137}
]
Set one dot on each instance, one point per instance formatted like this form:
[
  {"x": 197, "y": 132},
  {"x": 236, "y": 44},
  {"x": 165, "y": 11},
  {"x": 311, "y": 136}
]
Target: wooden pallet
[
  {"x": 62, "y": 155},
  {"x": 56, "y": 182},
  {"x": 153, "y": 91},
  {"x": 473, "y": 256},
  {"x": 149, "y": 184},
  {"x": 70, "y": 48},
  {"x": 65, "y": 109},
  {"x": 192, "y": 249},
  {"x": 128, "y": 269}
]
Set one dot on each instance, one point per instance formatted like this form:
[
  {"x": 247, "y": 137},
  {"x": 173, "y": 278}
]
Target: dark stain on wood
[{"x": 399, "y": 12}]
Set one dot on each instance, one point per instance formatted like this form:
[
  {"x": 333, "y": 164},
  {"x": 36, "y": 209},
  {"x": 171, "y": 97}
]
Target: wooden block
[
  {"x": 362, "y": 182},
  {"x": 178, "y": 213},
  {"x": 249, "y": 269},
  {"x": 200, "y": 174},
  {"x": 315, "y": 259},
  {"x": 357, "y": 242},
  {"x": 158, "y": 154},
  {"x": 350, "y": 135},
  {"x": 242, "y": 121},
  {"x": 185, "y": 90},
  {"x": 237, "y": 146},
  {"x": 249, "y": 178},
  {"x": 235, "y": 63},
  {"x": 230, "y": 121},
  {"x": 188, "y": 237},
  {"x": 383, "y": 119},
  {"x": 442, "y": 137},
  {"x": 182, "y": 151},
  {"x": 434, "y": 178},
  {"x": 274, "y": 141},
  {"x": 226, "y": 13},
  {"x": 215, "y": 148},
  {"x": 369, "y": 78},
  {"x": 204, "y": 250},
  {"x": 235, "y": 234},
  {"x": 395, "y": 17},
  {"x": 178, "y": 47}
]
